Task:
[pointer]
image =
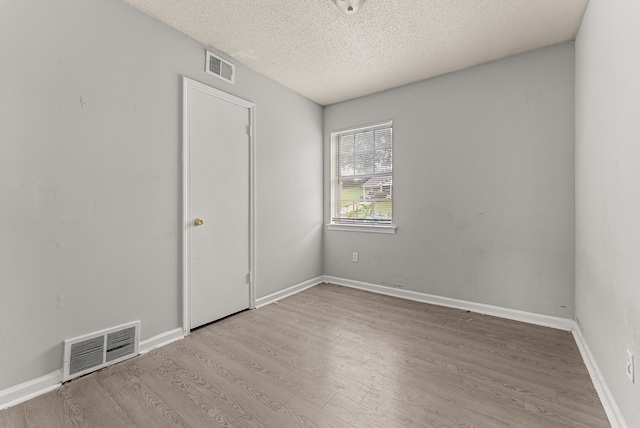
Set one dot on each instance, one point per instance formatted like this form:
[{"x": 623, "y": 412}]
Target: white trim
[
  {"x": 252, "y": 207},
  {"x": 604, "y": 393},
  {"x": 279, "y": 295},
  {"x": 187, "y": 85},
  {"x": 160, "y": 340},
  {"x": 361, "y": 228},
  {"x": 512, "y": 314},
  {"x": 26, "y": 391},
  {"x": 606, "y": 397},
  {"x": 186, "y": 187},
  {"x": 355, "y": 227}
]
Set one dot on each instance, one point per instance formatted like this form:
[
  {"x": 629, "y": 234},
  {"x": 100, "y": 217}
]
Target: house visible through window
[{"x": 362, "y": 176}]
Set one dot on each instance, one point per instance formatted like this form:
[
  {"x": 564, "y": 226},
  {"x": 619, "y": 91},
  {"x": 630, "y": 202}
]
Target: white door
[{"x": 218, "y": 203}]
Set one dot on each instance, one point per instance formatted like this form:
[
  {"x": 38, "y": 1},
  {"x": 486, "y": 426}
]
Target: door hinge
[
  {"x": 249, "y": 130},
  {"x": 249, "y": 278}
]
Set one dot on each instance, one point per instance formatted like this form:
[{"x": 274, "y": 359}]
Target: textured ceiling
[{"x": 312, "y": 48}]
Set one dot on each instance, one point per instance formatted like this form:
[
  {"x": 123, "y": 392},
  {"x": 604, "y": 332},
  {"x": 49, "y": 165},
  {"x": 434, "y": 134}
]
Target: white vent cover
[
  {"x": 220, "y": 68},
  {"x": 93, "y": 351}
]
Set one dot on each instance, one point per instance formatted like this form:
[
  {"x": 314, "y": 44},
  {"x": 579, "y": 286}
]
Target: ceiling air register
[{"x": 220, "y": 68}]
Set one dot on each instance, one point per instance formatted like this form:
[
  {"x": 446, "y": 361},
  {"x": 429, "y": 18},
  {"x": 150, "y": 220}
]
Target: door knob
[{"x": 198, "y": 222}]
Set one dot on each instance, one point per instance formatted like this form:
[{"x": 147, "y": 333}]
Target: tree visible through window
[{"x": 362, "y": 175}]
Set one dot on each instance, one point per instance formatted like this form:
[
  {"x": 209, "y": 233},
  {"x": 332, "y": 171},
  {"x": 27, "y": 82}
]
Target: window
[{"x": 362, "y": 176}]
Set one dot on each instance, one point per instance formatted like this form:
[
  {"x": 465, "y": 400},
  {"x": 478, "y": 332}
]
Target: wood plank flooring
[{"x": 342, "y": 358}]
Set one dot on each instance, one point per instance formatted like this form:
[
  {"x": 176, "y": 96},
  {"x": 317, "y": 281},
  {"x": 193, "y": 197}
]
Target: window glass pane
[
  {"x": 351, "y": 192},
  {"x": 364, "y": 141},
  {"x": 381, "y": 210},
  {"x": 355, "y": 207},
  {"x": 383, "y": 139},
  {"x": 346, "y": 143},
  {"x": 364, "y": 163},
  {"x": 383, "y": 160},
  {"x": 345, "y": 155}
]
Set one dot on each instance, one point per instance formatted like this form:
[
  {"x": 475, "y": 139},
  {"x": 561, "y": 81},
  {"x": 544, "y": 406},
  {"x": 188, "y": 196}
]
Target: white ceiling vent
[
  {"x": 93, "y": 351},
  {"x": 221, "y": 68}
]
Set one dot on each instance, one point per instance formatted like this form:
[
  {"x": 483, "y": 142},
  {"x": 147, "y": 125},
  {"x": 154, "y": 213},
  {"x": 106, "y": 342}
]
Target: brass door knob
[{"x": 198, "y": 222}]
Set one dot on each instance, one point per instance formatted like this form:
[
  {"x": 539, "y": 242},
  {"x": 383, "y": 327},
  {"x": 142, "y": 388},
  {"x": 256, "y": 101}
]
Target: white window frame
[{"x": 356, "y": 227}]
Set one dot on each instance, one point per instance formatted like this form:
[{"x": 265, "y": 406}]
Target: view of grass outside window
[{"x": 362, "y": 176}]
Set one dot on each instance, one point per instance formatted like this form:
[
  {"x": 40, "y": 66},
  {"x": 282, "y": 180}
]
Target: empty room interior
[{"x": 433, "y": 213}]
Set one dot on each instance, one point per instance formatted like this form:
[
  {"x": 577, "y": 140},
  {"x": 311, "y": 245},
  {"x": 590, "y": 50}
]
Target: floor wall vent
[
  {"x": 220, "y": 68},
  {"x": 94, "y": 351}
]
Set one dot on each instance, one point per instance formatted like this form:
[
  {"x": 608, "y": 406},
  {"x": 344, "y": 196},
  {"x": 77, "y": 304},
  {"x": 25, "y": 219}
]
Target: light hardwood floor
[{"x": 337, "y": 357}]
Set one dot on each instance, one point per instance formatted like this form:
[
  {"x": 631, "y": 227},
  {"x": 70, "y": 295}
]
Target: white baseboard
[
  {"x": 606, "y": 398},
  {"x": 33, "y": 388},
  {"x": 604, "y": 393},
  {"x": 279, "y": 295},
  {"x": 160, "y": 340},
  {"x": 26, "y": 391},
  {"x": 512, "y": 314}
]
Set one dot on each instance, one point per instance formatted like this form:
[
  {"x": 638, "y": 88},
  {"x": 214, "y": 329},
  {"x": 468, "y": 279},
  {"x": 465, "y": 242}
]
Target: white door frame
[{"x": 187, "y": 86}]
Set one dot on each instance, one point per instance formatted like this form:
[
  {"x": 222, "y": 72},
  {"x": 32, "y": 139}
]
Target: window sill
[{"x": 361, "y": 228}]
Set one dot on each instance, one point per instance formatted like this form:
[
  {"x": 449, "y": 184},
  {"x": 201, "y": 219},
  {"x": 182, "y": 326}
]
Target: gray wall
[
  {"x": 608, "y": 192},
  {"x": 483, "y": 185},
  {"x": 90, "y": 176}
]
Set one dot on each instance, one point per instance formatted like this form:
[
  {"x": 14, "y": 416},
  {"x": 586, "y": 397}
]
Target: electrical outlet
[
  {"x": 630, "y": 369},
  {"x": 355, "y": 257}
]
